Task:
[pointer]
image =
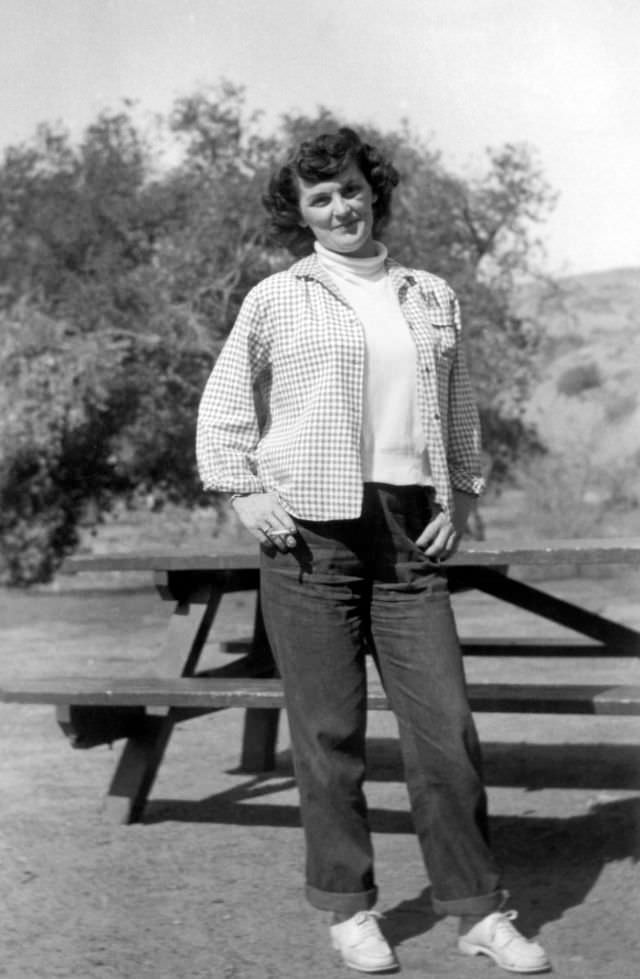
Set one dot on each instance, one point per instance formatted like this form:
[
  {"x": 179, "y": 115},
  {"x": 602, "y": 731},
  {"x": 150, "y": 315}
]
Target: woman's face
[{"x": 339, "y": 212}]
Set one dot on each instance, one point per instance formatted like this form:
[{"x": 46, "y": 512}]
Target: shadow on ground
[
  {"x": 550, "y": 864},
  {"x": 523, "y": 765}
]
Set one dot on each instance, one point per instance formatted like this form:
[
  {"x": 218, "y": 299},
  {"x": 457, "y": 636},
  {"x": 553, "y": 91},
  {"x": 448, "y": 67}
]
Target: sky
[{"x": 561, "y": 75}]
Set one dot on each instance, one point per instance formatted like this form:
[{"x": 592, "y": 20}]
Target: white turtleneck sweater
[{"x": 393, "y": 443}]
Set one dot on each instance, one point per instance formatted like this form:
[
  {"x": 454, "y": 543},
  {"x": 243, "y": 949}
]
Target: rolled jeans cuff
[
  {"x": 480, "y": 904},
  {"x": 341, "y": 902}
]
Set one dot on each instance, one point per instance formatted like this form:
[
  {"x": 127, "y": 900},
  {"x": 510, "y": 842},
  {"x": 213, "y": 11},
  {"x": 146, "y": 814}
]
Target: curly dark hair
[{"x": 320, "y": 159}]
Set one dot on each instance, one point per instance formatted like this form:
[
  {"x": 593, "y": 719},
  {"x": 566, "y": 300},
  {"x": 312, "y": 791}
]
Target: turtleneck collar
[{"x": 344, "y": 265}]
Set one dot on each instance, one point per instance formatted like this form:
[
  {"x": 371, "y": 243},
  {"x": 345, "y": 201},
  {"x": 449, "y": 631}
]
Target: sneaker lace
[
  {"x": 368, "y": 925},
  {"x": 504, "y": 931}
]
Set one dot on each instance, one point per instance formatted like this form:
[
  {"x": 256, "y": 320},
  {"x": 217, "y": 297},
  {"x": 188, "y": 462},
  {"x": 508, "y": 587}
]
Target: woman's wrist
[{"x": 236, "y": 496}]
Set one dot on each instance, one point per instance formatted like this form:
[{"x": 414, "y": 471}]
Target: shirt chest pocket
[{"x": 445, "y": 337}]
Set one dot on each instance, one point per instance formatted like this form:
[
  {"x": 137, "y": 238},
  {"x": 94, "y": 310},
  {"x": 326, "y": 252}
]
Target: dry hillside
[
  {"x": 586, "y": 406},
  {"x": 588, "y": 398}
]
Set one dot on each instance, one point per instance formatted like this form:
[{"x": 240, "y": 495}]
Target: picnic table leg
[
  {"x": 260, "y": 725},
  {"x": 136, "y": 771},
  {"x": 141, "y": 757},
  {"x": 571, "y": 616}
]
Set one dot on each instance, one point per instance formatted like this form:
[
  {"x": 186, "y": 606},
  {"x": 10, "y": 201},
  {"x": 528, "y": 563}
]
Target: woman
[{"x": 340, "y": 417}]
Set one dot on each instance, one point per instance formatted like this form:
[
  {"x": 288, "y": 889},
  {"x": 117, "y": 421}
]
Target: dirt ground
[{"x": 210, "y": 882}]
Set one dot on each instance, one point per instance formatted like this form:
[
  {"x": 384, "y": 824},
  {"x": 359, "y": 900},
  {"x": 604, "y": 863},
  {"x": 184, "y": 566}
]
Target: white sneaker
[
  {"x": 496, "y": 937},
  {"x": 362, "y": 944}
]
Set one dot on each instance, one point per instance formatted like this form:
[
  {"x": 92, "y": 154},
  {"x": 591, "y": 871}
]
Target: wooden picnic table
[{"x": 143, "y": 710}]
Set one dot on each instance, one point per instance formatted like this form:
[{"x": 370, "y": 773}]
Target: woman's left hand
[{"x": 440, "y": 538}]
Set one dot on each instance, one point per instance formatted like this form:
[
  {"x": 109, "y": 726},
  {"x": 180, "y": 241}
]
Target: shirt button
[{"x": 436, "y": 416}]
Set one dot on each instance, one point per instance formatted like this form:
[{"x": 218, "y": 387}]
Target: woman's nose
[{"x": 341, "y": 205}]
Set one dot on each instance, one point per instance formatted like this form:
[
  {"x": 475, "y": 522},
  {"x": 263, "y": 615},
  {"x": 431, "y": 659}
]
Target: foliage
[
  {"x": 57, "y": 415},
  {"x": 121, "y": 275}
]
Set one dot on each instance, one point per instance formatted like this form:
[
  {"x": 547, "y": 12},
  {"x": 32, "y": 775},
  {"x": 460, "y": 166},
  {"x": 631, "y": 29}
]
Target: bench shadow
[
  {"x": 550, "y": 864},
  {"x": 532, "y": 766}
]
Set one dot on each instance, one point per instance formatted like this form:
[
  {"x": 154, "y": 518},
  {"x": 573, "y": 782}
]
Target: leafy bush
[{"x": 56, "y": 420}]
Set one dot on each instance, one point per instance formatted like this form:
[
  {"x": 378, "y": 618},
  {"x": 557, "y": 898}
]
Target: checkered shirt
[{"x": 282, "y": 409}]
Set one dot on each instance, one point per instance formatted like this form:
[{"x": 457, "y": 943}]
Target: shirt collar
[{"x": 310, "y": 268}]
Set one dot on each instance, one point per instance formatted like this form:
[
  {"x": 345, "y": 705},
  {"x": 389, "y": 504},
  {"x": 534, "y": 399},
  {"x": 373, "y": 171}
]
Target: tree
[
  {"x": 60, "y": 406},
  {"x": 121, "y": 276}
]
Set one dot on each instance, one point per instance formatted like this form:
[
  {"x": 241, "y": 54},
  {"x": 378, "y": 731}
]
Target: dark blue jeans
[{"x": 355, "y": 585}]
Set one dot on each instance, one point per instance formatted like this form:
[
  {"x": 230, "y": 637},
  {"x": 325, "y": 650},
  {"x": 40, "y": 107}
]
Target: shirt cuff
[{"x": 467, "y": 482}]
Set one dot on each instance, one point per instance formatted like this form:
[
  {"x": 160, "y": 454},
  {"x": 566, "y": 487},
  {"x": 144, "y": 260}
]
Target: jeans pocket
[
  {"x": 326, "y": 548},
  {"x": 408, "y": 511}
]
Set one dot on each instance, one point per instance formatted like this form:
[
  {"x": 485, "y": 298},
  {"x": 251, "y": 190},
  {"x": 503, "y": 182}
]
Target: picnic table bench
[{"x": 144, "y": 709}]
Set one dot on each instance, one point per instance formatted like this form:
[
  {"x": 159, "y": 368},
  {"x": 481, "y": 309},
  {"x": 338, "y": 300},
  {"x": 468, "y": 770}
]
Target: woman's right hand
[{"x": 264, "y": 517}]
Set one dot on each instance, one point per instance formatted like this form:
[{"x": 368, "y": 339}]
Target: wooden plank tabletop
[{"x": 485, "y": 554}]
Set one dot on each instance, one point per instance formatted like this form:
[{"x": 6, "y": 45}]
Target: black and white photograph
[{"x": 319, "y": 489}]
